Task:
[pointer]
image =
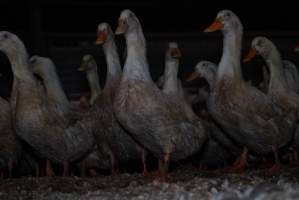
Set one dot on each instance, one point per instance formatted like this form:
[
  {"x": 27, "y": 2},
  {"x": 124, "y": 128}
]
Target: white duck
[
  {"x": 46, "y": 70},
  {"x": 244, "y": 112},
  {"x": 38, "y": 122},
  {"x": 151, "y": 117},
  {"x": 89, "y": 65},
  {"x": 280, "y": 88},
  {"x": 226, "y": 148}
]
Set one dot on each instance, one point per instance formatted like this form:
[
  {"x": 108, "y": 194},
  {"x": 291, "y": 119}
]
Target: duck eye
[
  {"x": 227, "y": 14},
  {"x": 5, "y": 35},
  {"x": 260, "y": 43}
]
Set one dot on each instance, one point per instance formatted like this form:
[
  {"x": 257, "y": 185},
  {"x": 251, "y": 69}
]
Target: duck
[
  {"x": 152, "y": 118},
  {"x": 45, "y": 68},
  {"x": 246, "y": 114},
  {"x": 89, "y": 65},
  {"x": 220, "y": 149},
  {"x": 98, "y": 159},
  {"x": 38, "y": 121},
  {"x": 282, "y": 78},
  {"x": 123, "y": 148}
]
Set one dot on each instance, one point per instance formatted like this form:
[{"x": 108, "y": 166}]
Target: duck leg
[
  {"x": 163, "y": 167},
  {"x": 277, "y": 165},
  {"x": 83, "y": 168},
  {"x": 65, "y": 168},
  {"x": 10, "y": 168},
  {"x": 93, "y": 173},
  {"x": 240, "y": 164},
  {"x": 49, "y": 170},
  {"x": 145, "y": 171},
  {"x": 37, "y": 170},
  {"x": 114, "y": 164},
  {"x": 202, "y": 166}
]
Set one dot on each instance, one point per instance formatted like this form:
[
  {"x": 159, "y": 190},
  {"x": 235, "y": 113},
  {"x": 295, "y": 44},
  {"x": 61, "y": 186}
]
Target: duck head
[
  {"x": 259, "y": 46},
  {"x": 173, "y": 52},
  {"x": 88, "y": 63},
  {"x": 127, "y": 22},
  {"x": 104, "y": 33},
  {"x": 226, "y": 20},
  {"x": 205, "y": 69},
  {"x": 10, "y": 44},
  {"x": 41, "y": 65}
]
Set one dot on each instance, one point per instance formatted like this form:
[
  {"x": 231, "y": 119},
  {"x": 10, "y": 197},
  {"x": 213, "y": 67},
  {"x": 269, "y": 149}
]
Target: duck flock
[{"x": 132, "y": 118}]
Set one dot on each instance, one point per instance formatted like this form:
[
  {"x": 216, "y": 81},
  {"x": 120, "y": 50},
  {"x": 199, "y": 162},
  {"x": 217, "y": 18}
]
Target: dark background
[{"x": 65, "y": 30}]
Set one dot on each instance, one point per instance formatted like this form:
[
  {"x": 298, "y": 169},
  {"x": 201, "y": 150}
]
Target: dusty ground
[{"x": 188, "y": 183}]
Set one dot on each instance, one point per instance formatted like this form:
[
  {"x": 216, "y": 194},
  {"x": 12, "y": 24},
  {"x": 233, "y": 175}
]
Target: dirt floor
[{"x": 187, "y": 183}]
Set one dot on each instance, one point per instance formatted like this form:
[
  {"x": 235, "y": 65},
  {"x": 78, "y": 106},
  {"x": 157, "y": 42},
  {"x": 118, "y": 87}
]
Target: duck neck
[
  {"x": 112, "y": 60},
  {"x": 53, "y": 87},
  {"x": 170, "y": 75},
  {"x": 277, "y": 78},
  {"x": 20, "y": 65},
  {"x": 136, "y": 66},
  {"x": 93, "y": 80},
  {"x": 210, "y": 78},
  {"x": 229, "y": 65}
]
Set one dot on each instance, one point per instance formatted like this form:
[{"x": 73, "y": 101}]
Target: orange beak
[
  {"x": 193, "y": 76},
  {"x": 175, "y": 53},
  {"x": 101, "y": 37},
  {"x": 122, "y": 28},
  {"x": 217, "y": 25},
  {"x": 251, "y": 54},
  {"x": 296, "y": 48},
  {"x": 83, "y": 67}
]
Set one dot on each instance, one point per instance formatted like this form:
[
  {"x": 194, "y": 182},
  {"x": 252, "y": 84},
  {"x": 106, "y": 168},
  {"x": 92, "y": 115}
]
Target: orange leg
[
  {"x": 240, "y": 164},
  {"x": 277, "y": 165},
  {"x": 49, "y": 170},
  {"x": 10, "y": 168},
  {"x": 163, "y": 167},
  {"x": 66, "y": 169},
  {"x": 145, "y": 171},
  {"x": 83, "y": 168},
  {"x": 93, "y": 173}
]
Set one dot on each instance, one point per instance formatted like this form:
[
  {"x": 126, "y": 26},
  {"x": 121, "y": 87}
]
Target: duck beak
[
  {"x": 175, "y": 53},
  {"x": 296, "y": 48},
  {"x": 82, "y": 67},
  {"x": 101, "y": 37},
  {"x": 122, "y": 28},
  {"x": 251, "y": 54},
  {"x": 215, "y": 26},
  {"x": 193, "y": 76}
]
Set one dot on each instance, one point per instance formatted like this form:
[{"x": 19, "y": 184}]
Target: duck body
[
  {"x": 248, "y": 119},
  {"x": 37, "y": 121},
  {"x": 141, "y": 108},
  {"x": 214, "y": 154},
  {"x": 40, "y": 124}
]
